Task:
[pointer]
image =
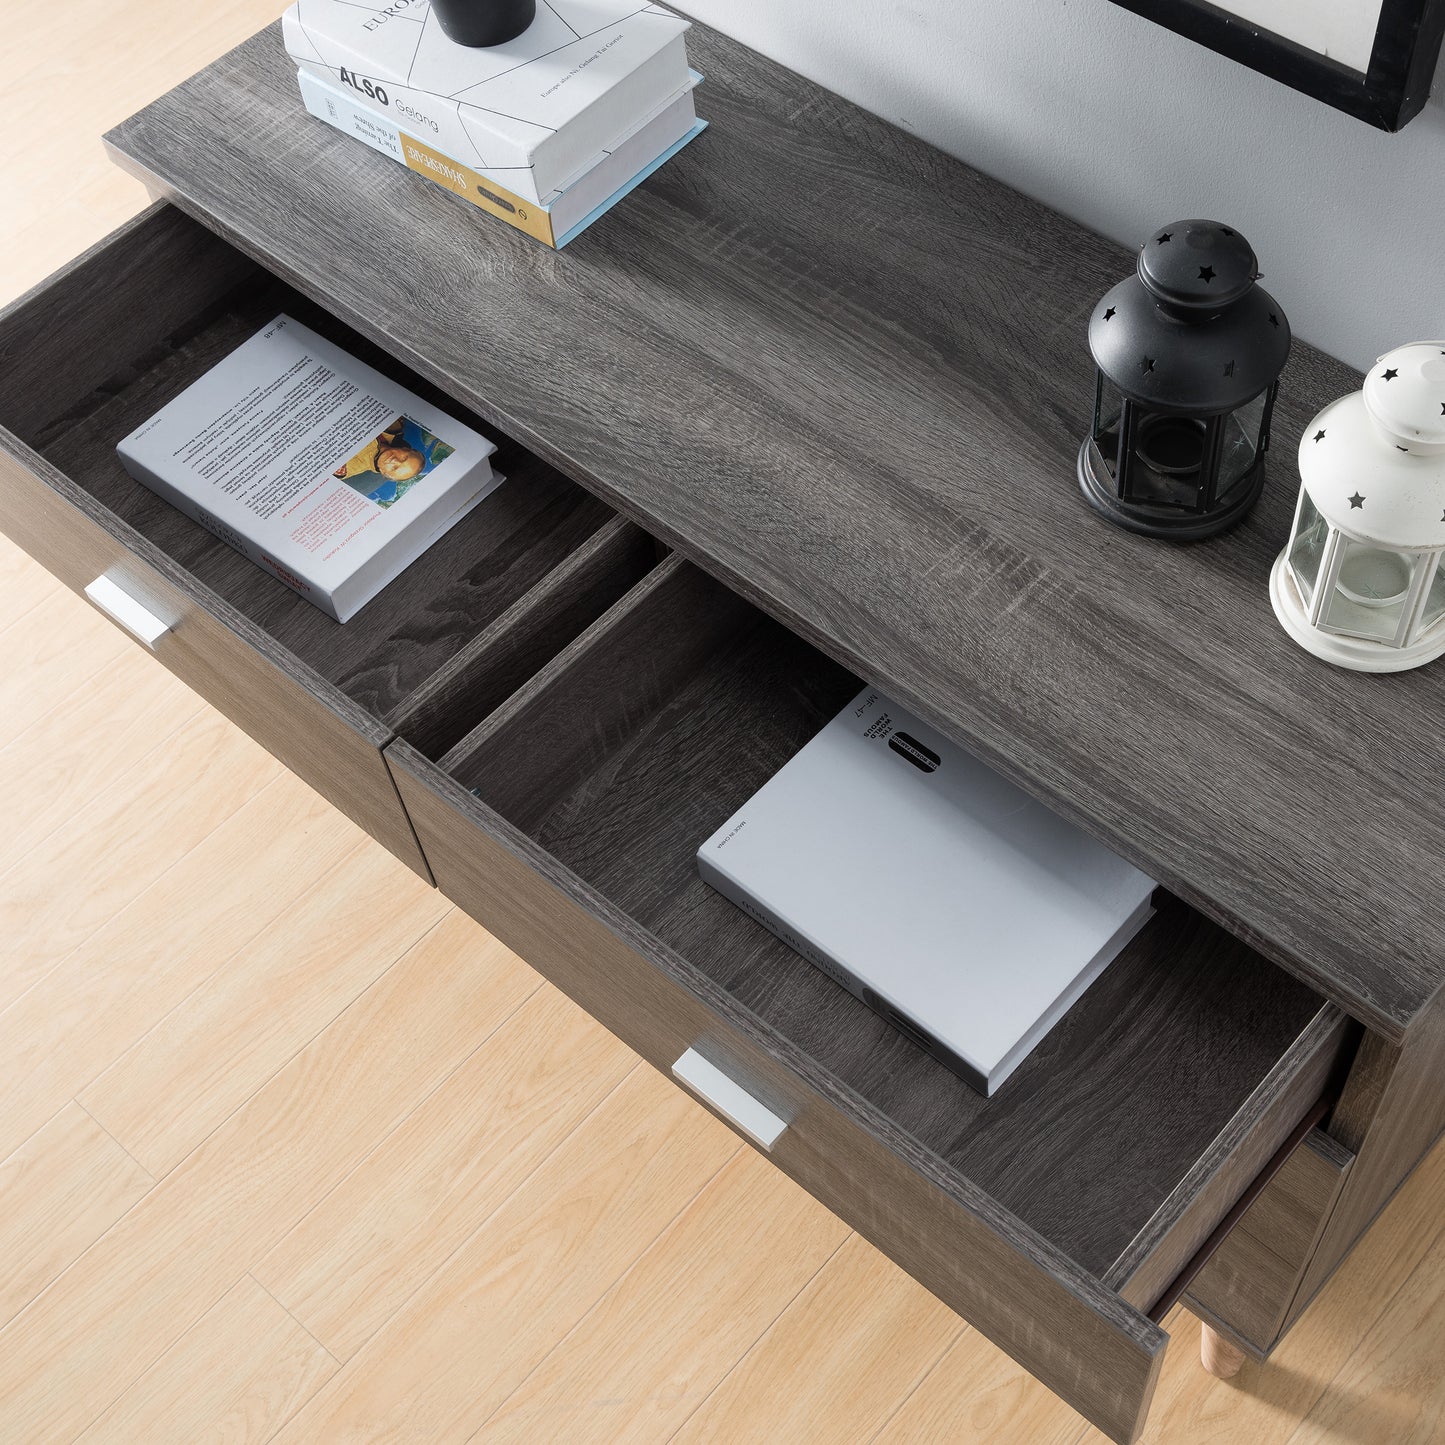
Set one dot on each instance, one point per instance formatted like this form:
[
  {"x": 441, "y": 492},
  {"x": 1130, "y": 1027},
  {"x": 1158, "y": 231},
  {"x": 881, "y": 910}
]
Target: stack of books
[{"x": 546, "y": 132}]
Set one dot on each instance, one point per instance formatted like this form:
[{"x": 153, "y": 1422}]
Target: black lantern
[{"x": 1189, "y": 352}]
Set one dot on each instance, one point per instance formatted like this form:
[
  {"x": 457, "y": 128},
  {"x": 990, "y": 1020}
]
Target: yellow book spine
[{"x": 484, "y": 194}]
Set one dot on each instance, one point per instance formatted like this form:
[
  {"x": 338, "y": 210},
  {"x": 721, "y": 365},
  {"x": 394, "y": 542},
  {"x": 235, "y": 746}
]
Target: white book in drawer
[
  {"x": 939, "y": 893},
  {"x": 312, "y": 465}
]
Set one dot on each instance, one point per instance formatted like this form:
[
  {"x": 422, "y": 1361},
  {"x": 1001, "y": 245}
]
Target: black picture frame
[{"x": 1393, "y": 90}]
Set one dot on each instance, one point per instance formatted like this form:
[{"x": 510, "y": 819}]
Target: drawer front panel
[
  {"x": 1237, "y": 1158},
  {"x": 1079, "y": 1339},
  {"x": 1248, "y": 1286},
  {"x": 337, "y": 754}
]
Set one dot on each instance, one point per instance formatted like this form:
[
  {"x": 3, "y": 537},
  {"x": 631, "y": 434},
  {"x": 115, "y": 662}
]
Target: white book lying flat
[
  {"x": 944, "y": 897},
  {"x": 312, "y": 465},
  {"x": 540, "y": 108},
  {"x": 562, "y": 215}
]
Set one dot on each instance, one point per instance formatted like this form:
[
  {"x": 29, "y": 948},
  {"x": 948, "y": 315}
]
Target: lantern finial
[
  {"x": 1202, "y": 267},
  {"x": 1405, "y": 394}
]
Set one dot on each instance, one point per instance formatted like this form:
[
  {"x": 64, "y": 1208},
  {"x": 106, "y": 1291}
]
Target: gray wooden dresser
[{"x": 803, "y": 411}]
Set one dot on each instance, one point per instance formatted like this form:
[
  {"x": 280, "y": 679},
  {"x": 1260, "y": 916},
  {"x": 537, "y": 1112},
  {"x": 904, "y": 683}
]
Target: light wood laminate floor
[{"x": 290, "y": 1149}]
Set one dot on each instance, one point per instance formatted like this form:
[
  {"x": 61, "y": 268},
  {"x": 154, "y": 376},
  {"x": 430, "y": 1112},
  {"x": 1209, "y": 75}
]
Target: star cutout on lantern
[
  {"x": 1229, "y": 368},
  {"x": 1109, "y": 314},
  {"x": 1206, "y": 273},
  {"x": 1273, "y": 319},
  {"x": 1320, "y": 435},
  {"x": 1357, "y": 501},
  {"x": 1167, "y": 236},
  {"x": 1391, "y": 374},
  {"x": 1147, "y": 364}
]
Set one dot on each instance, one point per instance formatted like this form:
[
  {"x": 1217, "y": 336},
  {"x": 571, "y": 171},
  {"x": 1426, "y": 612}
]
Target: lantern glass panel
[
  {"x": 1435, "y": 598},
  {"x": 1240, "y": 446},
  {"x": 1110, "y": 418},
  {"x": 1108, "y": 403},
  {"x": 1372, "y": 586},
  {"x": 1308, "y": 548},
  {"x": 1168, "y": 456}
]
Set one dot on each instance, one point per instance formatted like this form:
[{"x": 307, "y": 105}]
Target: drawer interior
[
  {"x": 615, "y": 705},
  {"x": 137, "y": 350},
  {"x": 638, "y": 741}
]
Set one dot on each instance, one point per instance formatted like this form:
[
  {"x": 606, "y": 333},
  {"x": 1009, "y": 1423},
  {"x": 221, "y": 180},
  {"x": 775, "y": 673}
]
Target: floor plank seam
[
  {"x": 21, "y": 617},
  {"x": 1363, "y": 1334},
  {"x": 761, "y": 1336},
  {"x": 158, "y": 743},
  {"x": 17, "y": 1317},
  {"x": 381, "y": 1141},
  {"x": 482, "y": 1223},
  {"x": 300, "y": 1325},
  {"x": 77, "y": 643},
  {"x": 67, "y": 703},
  {"x": 918, "y": 1384},
  {"x": 148, "y": 1174},
  {"x": 151, "y": 1362},
  {"x": 16, "y": 1321},
  {"x": 588, "y": 1309},
  {"x": 51, "y": 584},
  {"x": 130, "y": 903},
  {"x": 223, "y": 1121},
  {"x": 227, "y": 962},
  {"x": 25, "y": 1142},
  {"x": 9, "y": 1320}
]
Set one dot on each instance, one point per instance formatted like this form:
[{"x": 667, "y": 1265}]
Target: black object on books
[{"x": 484, "y": 22}]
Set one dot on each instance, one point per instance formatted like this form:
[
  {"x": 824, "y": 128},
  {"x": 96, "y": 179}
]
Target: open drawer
[
  {"x": 101, "y": 345},
  {"x": 1054, "y": 1216}
]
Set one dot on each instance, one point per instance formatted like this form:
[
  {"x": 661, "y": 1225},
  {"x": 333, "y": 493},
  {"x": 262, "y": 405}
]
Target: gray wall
[{"x": 1124, "y": 125}]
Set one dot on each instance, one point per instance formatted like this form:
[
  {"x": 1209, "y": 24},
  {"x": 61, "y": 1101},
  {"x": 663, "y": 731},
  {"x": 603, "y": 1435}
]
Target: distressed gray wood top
[{"x": 848, "y": 375}]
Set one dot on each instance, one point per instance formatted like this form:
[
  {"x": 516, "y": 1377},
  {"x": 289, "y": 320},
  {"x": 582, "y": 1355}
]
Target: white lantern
[{"x": 1361, "y": 582}]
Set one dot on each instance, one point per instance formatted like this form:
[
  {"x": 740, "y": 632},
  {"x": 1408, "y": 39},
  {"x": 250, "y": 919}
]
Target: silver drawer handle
[
  {"x": 731, "y": 1100},
  {"x": 122, "y": 608}
]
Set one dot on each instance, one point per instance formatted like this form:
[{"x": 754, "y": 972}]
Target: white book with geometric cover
[{"x": 538, "y": 110}]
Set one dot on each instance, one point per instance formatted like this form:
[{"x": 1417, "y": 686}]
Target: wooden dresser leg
[{"x": 1217, "y": 1355}]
